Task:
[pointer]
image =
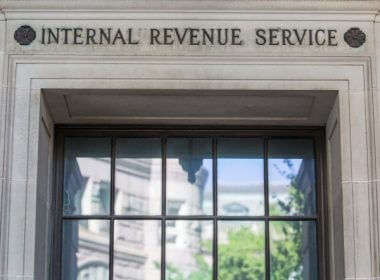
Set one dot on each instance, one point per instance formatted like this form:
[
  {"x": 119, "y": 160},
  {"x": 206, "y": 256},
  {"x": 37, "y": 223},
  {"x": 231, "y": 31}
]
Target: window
[{"x": 189, "y": 205}]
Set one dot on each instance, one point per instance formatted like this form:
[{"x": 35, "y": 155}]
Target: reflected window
[
  {"x": 189, "y": 250},
  {"x": 138, "y": 176},
  {"x": 140, "y": 240},
  {"x": 85, "y": 243},
  {"x": 235, "y": 209},
  {"x": 93, "y": 271},
  {"x": 207, "y": 206}
]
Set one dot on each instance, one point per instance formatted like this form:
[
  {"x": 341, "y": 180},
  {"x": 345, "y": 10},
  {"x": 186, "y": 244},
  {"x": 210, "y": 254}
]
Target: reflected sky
[
  {"x": 188, "y": 171},
  {"x": 281, "y": 168},
  {"x": 189, "y": 176},
  {"x": 229, "y": 167},
  {"x": 240, "y": 177},
  {"x": 293, "y": 160}
]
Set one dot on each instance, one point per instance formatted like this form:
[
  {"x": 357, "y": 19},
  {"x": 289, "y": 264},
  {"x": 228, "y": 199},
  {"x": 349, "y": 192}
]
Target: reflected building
[
  {"x": 138, "y": 191},
  {"x": 137, "y": 243}
]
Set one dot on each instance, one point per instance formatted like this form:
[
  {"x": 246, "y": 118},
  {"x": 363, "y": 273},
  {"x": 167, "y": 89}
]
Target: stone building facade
[{"x": 278, "y": 64}]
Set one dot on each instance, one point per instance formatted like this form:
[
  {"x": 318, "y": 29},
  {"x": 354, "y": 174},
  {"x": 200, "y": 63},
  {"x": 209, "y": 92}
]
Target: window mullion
[
  {"x": 266, "y": 202},
  {"x": 112, "y": 207},
  {"x": 163, "y": 211},
  {"x": 217, "y": 221},
  {"x": 215, "y": 205}
]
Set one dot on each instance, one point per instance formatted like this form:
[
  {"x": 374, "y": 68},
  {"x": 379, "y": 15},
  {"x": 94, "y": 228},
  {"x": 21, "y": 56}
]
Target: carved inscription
[
  {"x": 189, "y": 36},
  {"x": 299, "y": 37}
]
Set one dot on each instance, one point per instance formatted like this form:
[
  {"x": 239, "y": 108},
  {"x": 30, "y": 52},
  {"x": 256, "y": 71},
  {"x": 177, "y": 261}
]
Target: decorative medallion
[
  {"x": 354, "y": 37},
  {"x": 25, "y": 35}
]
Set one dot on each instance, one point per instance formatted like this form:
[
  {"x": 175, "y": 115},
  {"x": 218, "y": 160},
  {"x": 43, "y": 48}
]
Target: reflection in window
[
  {"x": 293, "y": 250},
  {"x": 173, "y": 209},
  {"x": 189, "y": 174},
  {"x": 240, "y": 176},
  {"x": 93, "y": 271},
  {"x": 189, "y": 250},
  {"x": 137, "y": 252},
  {"x": 87, "y": 176},
  {"x": 241, "y": 250},
  {"x": 138, "y": 176},
  {"x": 84, "y": 243},
  {"x": 291, "y": 177},
  {"x": 140, "y": 230},
  {"x": 236, "y": 209}
]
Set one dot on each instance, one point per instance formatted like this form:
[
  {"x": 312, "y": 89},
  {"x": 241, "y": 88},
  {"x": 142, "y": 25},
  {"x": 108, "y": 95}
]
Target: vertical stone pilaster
[
  {"x": 3, "y": 101},
  {"x": 375, "y": 195}
]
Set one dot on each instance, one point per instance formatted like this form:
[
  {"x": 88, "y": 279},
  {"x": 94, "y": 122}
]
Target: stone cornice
[
  {"x": 162, "y": 13},
  {"x": 200, "y": 5}
]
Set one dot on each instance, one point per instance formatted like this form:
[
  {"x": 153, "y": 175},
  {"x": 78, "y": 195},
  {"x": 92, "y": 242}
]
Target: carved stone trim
[
  {"x": 25, "y": 35},
  {"x": 354, "y": 37}
]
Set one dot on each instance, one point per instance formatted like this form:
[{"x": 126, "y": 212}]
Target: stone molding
[
  {"x": 254, "y": 5},
  {"x": 27, "y": 75}
]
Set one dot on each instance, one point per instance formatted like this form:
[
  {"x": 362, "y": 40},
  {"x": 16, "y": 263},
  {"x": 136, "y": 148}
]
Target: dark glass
[
  {"x": 138, "y": 176},
  {"x": 87, "y": 176},
  {"x": 85, "y": 250},
  {"x": 241, "y": 250},
  {"x": 188, "y": 242},
  {"x": 137, "y": 250},
  {"x": 189, "y": 176},
  {"x": 293, "y": 250},
  {"x": 240, "y": 177},
  {"x": 291, "y": 177},
  {"x": 189, "y": 249}
]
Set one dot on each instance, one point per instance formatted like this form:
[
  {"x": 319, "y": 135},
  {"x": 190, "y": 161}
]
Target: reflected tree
[
  {"x": 291, "y": 252},
  {"x": 243, "y": 256}
]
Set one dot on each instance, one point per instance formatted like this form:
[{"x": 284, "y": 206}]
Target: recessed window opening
[{"x": 189, "y": 205}]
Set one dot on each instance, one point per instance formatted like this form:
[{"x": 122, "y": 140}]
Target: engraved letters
[
  {"x": 296, "y": 37},
  {"x": 88, "y": 36},
  {"x": 271, "y": 37}
]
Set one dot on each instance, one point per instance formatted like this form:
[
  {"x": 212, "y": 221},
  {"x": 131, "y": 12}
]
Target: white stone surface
[
  {"x": 349, "y": 230},
  {"x": 353, "y": 73}
]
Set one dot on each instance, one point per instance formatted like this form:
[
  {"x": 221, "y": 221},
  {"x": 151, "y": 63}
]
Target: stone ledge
[{"x": 316, "y": 5}]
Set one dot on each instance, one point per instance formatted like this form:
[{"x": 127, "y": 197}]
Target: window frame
[{"x": 315, "y": 132}]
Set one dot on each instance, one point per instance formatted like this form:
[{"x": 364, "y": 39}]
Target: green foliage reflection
[{"x": 242, "y": 257}]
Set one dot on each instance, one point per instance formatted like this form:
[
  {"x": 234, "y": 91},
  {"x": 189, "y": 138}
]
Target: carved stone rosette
[
  {"x": 354, "y": 37},
  {"x": 25, "y": 35}
]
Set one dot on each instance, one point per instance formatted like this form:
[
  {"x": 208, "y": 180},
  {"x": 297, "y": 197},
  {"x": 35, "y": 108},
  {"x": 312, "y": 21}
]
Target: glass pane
[
  {"x": 87, "y": 176},
  {"x": 85, "y": 250},
  {"x": 240, "y": 177},
  {"x": 241, "y": 250},
  {"x": 291, "y": 177},
  {"x": 293, "y": 250},
  {"x": 137, "y": 253},
  {"x": 189, "y": 250},
  {"x": 138, "y": 176},
  {"x": 189, "y": 176}
]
